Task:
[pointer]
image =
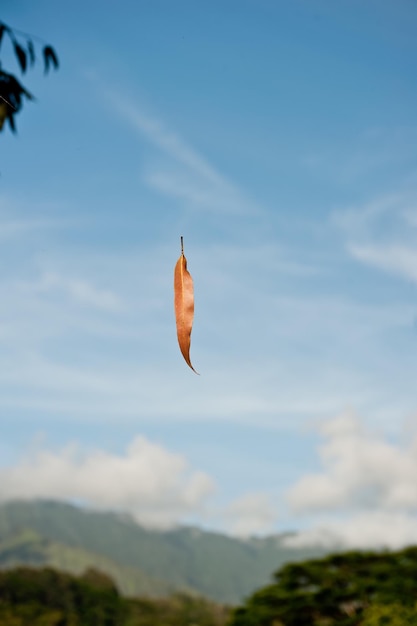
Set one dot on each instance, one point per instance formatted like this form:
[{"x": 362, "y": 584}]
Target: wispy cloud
[
  {"x": 15, "y": 221},
  {"x": 186, "y": 175},
  {"x": 382, "y": 233},
  {"x": 367, "y": 218},
  {"x": 166, "y": 140},
  {"x": 395, "y": 259},
  {"x": 11, "y": 228},
  {"x": 92, "y": 336},
  {"x": 76, "y": 289},
  {"x": 375, "y": 151}
]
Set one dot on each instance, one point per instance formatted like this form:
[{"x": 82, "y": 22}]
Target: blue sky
[{"x": 279, "y": 138}]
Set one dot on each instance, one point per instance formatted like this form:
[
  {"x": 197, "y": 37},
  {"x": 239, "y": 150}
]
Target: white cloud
[
  {"x": 366, "y": 492},
  {"x": 373, "y": 529},
  {"x": 360, "y": 470},
  {"x": 252, "y": 513},
  {"x": 155, "y": 485}
]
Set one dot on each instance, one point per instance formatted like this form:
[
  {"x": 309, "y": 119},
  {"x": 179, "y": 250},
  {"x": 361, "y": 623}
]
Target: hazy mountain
[{"x": 141, "y": 561}]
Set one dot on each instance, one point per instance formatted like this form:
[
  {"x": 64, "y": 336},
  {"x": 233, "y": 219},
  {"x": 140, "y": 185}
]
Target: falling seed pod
[{"x": 184, "y": 305}]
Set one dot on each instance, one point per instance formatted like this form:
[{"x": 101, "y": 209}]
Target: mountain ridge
[{"x": 142, "y": 561}]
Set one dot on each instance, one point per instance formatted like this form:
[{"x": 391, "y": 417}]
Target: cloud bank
[
  {"x": 363, "y": 496},
  {"x": 366, "y": 492},
  {"x": 155, "y": 485}
]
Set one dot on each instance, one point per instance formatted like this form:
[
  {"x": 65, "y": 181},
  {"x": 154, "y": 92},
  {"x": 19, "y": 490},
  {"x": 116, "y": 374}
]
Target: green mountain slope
[
  {"x": 29, "y": 548},
  {"x": 140, "y": 560}
]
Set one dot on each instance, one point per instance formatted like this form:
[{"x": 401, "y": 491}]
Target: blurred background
[{"x": 279, "y": 138}]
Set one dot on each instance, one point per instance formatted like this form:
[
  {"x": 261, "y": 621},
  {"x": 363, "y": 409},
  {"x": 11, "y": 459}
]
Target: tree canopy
[
  {"x": 46, "y": 597},
  {"x": 350, "y": 589},
  {"x": 12, "y": 92}
]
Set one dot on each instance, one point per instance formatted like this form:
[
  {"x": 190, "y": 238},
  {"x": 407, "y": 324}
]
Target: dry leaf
[{"x": 184, "y": 305}]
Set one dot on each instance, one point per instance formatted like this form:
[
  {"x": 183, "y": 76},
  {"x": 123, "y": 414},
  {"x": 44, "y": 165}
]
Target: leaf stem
[{"x": 15, "y": 31}]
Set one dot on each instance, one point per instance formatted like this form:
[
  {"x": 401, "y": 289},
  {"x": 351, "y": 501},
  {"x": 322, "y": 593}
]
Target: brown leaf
[{"x": 184, "y": 305}]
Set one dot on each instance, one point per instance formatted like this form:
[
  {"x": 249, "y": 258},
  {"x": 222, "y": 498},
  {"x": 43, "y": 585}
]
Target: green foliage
[
  {"x": 46, "y": 596},
  {"x": 179, "y": 610},
  {"x": 351, "y": 589},
  {"x": 389, "y": 615},
  {"x": 33, "y": 597},
  {"x": 12, "y": 92}
]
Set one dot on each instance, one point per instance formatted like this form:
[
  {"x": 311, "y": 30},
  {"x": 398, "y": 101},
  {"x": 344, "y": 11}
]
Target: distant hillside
[
  {"x": 141, "y": 561},
  {"x": 30, "y": 549}
]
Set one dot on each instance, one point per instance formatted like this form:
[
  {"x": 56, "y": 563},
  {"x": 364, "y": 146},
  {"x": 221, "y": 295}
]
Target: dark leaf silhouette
[
  {"x": 50, "y": 57},
  {"x": 4, "y": 112},
  {"x": 11, "y": 98},
  {"x": 31, "y": 52},
  {"x": 12, "y": 93},
  {"x": 21, "y": 56},
  {"x": 3, "y": 29},
  {"x": 11, "y": 122}
]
